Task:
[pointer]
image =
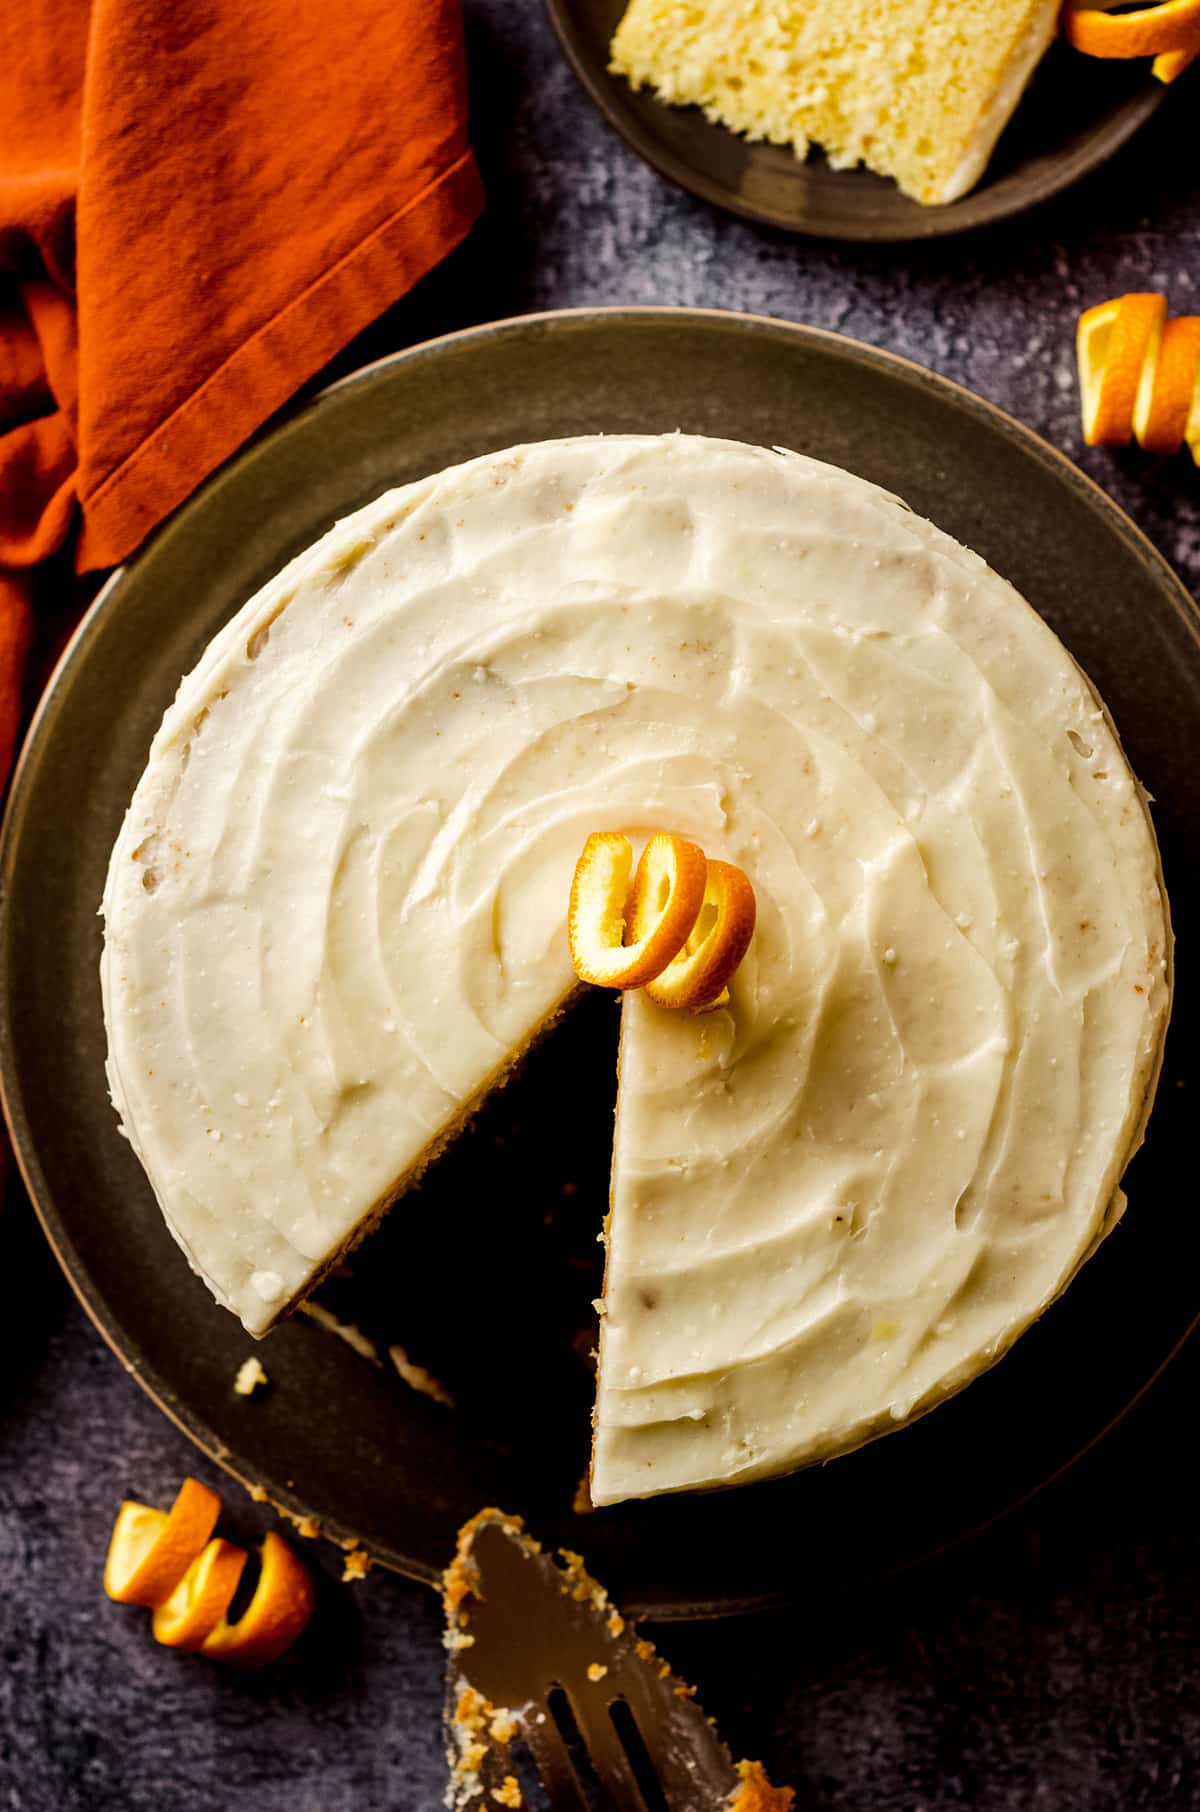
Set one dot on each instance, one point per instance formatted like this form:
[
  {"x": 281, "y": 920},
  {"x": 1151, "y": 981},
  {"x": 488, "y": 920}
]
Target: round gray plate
[
  {"x": 486, "y": 1274},
  {"x": 1076, "y": 113}
]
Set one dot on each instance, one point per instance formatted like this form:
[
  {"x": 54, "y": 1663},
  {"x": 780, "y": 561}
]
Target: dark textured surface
[{"x": 1053, "y": 1663}]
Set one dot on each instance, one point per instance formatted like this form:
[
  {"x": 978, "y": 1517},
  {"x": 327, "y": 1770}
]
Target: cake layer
[
  {"x": 336, "y": 912},
  {"x": 915, "y": 90}
]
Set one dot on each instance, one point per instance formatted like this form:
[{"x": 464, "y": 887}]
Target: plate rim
[
  {"x": 41, "y": 728},
  {"x": 934, "y": 222}
]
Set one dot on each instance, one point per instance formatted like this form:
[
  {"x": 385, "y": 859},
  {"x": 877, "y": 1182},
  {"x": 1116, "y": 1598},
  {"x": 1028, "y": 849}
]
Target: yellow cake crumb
[
  {"x": 345, "y": 1330},
  {"x": 309, "y": 1527},
  {"x": 357, "y": 1562},
  {"x": 579, "y": 1582},
  {"x": 250, "y": 1377},
  {"x": 916, "y": 90},
  {"x": 472, "y": 1710},
  {"x": 756, "y": 1794},
  {"x": 258, "y": 1493},
  {"x": 596, "y": 1671},
  {"x": 417, "y": 1378},
  {"x": 473, "y": 1716}
]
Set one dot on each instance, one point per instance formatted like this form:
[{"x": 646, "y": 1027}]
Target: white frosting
[{"x": 336, "y": 910}]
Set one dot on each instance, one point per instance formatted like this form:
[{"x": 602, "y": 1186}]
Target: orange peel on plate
[
  {"x": 697, "y": 978},
  {"x": 667, "y": 893},
  {"x": 1139, "y": 375},
  {"x": 170, "y": 1563},
  {"x": 1165, "y": 28}
]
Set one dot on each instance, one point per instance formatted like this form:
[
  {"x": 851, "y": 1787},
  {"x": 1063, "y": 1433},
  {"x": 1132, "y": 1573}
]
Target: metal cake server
[{"x": 542, "y": 1661}]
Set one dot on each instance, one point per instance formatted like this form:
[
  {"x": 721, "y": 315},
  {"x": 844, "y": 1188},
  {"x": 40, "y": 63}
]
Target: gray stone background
[{"x": 1052, "y": 1663}]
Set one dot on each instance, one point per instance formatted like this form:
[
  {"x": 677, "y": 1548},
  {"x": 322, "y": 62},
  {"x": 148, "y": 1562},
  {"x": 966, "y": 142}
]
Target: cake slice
[{"x": 919, "y": 90}]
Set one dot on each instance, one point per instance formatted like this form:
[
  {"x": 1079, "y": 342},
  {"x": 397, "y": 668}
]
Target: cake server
[{"x": 542, "y": 1662}]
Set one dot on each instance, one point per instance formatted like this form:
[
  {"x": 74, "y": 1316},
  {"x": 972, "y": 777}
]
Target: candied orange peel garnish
[
  {"x": 698, "y": 976},
  {"x": 171, "y": 1563},
  {"x": 679, "y": 931},
  {"x": 666, "y": 896},
  {"x": 1167, "y": 30},
  {"x": 1139, "y": 375}
]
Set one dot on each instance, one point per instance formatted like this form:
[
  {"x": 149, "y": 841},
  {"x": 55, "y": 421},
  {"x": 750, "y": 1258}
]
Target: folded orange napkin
[{"x": 200, "y": 204}]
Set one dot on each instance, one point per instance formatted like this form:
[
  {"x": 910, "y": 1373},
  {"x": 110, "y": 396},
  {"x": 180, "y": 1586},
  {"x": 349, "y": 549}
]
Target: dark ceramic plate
[
  {"x": 487, "y": 1274},
  {"x": 1076, "y": 113}
]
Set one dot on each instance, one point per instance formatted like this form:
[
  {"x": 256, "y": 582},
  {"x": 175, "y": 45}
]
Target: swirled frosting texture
[{"x": 336, "y": 911}]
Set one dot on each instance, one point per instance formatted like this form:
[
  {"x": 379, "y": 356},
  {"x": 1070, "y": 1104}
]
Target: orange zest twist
[
  {"x": 1168, "y": 31},
  {"x": 698, "y": 975},
  {"x": 679, "y": 931},
  {"x": 1139, "y": 375},
  {"x": 667, "y": 893},
  {"x": 170, "y": 1563}
]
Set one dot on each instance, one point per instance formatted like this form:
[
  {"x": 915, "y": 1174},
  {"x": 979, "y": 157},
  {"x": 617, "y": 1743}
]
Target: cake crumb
[
  {"x": 596, "y": 1671},
  {"x": 756, "y": 1794},
  {"x": 643, "y": 1649},
  {"x": 685, "y": 1692},
  {"x": 579, "y": 1582},
  {"x": 616, "y": 1624},
  {"x": 345, "y": 1330},
  {"x": 250, "y": 1377},
  {"x": 309, "y": 1527},
  {"x": 473, "y": 1716},
  {"x": 418, "y": 1378},
  {"x": 357, "y": 1562},
  {"x": 258, "y": 1493}
]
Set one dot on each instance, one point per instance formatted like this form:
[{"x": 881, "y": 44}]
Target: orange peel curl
[
  {"x": 281, "y": 1606},
  {"x": 667, "y": 893},
  {"x": 1112, "y": 343},
  {"x": 151, "y": 1550},
  {"x": 1165, "y": 28},
  {"x": 202, "y": 1597},
  {"x": 1172, "y": 63},
  {"x": 1139, "y": 375},
  {"x": 170, "y": 1563},
  {"x": 698, "y": 977},
  {"x": 1169, "y": 383}
]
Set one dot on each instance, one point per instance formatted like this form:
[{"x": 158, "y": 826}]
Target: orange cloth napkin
[{"x": 200, "y": 204}]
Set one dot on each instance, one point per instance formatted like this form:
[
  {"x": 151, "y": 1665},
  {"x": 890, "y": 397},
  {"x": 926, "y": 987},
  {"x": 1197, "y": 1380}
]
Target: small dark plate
[
  {"x": 487, "y": 1274},
  {"x": 1076, "y": 113}
]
